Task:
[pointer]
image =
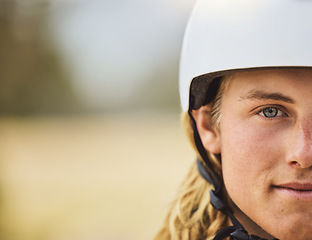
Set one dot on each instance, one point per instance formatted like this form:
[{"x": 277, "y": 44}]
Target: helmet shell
[{"x": 226, "y": 35}]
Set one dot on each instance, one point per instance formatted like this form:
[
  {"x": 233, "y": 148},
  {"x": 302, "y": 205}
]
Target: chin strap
[{"x": 237, "y": 231}]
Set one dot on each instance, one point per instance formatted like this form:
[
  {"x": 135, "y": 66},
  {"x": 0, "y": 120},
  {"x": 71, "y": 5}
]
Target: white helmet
[{"x": 223, "y": 36}]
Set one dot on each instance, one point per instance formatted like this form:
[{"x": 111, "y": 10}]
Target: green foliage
[
  {"x": 160, "y": 90},
  {"x": 32, "y": 79}
]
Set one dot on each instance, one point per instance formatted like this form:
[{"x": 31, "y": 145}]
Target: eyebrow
[{"x": 256, "y": 94}]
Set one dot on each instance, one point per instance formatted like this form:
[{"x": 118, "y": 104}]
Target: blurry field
[{"x": 89, "y": 178}]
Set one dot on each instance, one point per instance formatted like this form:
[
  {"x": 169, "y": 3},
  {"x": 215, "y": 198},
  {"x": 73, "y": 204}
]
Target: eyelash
[{"x": 279, "y": 112}]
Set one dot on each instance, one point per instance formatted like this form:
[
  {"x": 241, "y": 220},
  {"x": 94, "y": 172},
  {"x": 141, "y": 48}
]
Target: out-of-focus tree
[
  {"x": 32, "y": 78},
  {"x": 160, "y": 90}
]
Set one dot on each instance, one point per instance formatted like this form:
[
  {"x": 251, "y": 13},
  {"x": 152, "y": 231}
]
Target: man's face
[{"x": 266, "y": 148}]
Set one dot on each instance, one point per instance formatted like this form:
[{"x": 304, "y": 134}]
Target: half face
[{"x": 265, "y": 138}]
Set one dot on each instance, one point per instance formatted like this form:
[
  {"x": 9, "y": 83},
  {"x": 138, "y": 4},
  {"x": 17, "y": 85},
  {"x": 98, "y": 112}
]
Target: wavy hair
[{"x": 191, "y": 216}]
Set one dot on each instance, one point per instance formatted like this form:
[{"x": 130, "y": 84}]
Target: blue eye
[{"x": 271, "y": 112}]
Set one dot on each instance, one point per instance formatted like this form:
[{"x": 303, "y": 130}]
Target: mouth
[{"x": 296, "y": 190}]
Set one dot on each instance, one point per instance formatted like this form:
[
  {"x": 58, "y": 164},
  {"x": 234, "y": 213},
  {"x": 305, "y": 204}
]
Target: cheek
[
  {"x": 249, "y": 156},
  {"x": 254, "y": 158}
]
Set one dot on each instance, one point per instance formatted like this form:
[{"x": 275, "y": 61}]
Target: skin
[{"x": 265, "y": 140}]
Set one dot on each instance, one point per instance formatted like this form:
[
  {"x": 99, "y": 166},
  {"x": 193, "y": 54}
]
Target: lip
[{"x": 300, "y": 191}]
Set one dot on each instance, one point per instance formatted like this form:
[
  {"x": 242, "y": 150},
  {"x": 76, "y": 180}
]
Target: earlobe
[{"x": 209, "y": 134}]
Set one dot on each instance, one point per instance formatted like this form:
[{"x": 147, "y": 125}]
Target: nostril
[
  {"x": 295, "y": 163},
  {"x": 301, "y": 163}
]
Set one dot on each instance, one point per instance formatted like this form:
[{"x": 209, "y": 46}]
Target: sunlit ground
[{"x": 89, "y": 178}]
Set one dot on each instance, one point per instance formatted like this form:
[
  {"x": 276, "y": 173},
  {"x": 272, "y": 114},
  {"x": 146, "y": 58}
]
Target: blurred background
[{"x": 91, "y": 144}]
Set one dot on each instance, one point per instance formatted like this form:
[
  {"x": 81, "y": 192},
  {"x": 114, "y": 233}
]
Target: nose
[{"x": 301, "y": 150}]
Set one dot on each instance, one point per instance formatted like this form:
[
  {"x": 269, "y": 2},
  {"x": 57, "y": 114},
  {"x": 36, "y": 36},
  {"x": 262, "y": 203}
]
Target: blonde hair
[{"x": 191, "y": 216}]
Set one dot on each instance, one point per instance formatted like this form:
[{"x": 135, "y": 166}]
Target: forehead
[{"x": 288, "y": 81}]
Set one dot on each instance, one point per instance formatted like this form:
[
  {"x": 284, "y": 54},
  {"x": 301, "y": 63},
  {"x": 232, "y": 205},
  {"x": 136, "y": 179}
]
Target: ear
[{"x": 209, "y": 134}]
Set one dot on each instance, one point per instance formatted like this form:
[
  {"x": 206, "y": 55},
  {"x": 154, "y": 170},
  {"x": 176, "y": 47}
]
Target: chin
[{"x": 296, "y": 229}]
